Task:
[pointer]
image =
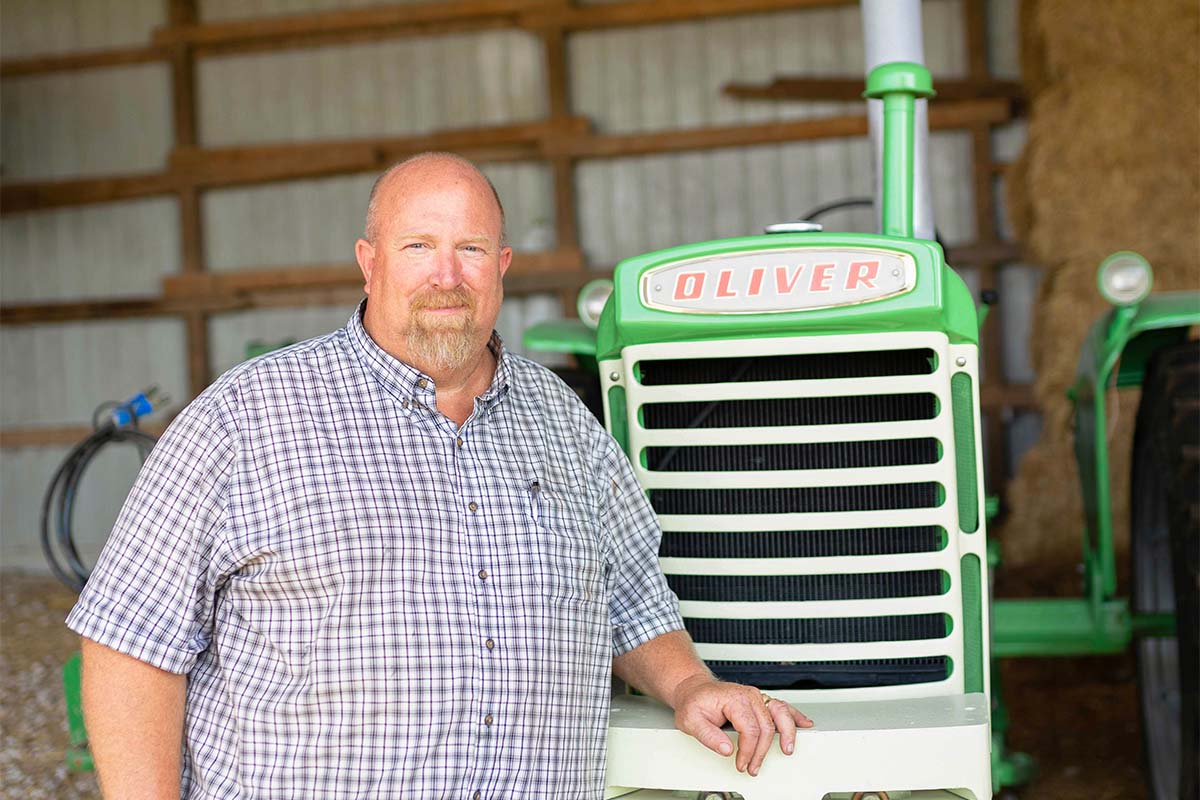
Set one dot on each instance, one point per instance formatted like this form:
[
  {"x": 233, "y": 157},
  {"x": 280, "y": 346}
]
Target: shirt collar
[{"x": 406, "y": 382}]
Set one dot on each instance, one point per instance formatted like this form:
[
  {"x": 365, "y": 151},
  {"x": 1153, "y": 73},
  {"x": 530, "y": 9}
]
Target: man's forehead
[{"x": 423, "y": 182}]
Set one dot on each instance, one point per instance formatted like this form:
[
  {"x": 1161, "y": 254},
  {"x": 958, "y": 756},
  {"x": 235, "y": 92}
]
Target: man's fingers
[
  {"x": 802, "y": 721},
  {"x": 709, "y": 735},
  {"x": 748, "y": 724},
  {"x": 767, "y": 725},
  {"x": 785, "y": 723}
]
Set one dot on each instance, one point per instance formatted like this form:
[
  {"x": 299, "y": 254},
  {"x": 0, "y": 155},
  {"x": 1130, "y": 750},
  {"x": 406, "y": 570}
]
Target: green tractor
[{"x": 802, "y": 409}]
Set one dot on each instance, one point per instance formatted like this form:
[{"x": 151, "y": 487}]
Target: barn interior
[{"x": 183, "y": 182}]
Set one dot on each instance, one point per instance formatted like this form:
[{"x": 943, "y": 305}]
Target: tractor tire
[{"x": 1165, "y": 531}]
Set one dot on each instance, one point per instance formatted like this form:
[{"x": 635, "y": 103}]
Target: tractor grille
[{"x": 803, "y": 498}]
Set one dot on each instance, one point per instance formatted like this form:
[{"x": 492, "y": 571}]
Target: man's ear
[
  {"x": 505, "y": 259},
  {"x": 364, "y": 252}
]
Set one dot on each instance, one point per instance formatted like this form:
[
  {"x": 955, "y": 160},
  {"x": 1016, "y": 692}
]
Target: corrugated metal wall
[
  {"x": 118, "y": 120},
  {"x": 45, "y": 27}
]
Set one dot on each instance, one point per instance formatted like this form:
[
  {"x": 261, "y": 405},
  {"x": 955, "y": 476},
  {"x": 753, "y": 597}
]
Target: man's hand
[{"x": 703, "y": 704}]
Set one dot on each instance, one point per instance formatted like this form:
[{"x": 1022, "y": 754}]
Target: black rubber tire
[{"x": 1165, "y": 531}]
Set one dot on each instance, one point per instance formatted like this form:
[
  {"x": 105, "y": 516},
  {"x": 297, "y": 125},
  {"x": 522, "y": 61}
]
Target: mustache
[{"x": 443, "y": 298}]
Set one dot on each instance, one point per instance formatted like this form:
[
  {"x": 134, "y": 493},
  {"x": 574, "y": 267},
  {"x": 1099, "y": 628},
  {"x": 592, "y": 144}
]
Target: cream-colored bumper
[{"x": 899, "y": 746}]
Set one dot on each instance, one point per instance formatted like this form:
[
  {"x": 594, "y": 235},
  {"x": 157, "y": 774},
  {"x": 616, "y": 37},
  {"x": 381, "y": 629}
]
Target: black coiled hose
[{"x": 58, "y": 505}]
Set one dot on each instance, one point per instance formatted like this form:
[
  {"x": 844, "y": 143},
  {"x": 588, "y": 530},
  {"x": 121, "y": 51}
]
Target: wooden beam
[
  {"x": 980, "y": 253},
  {"x": 192, "y": 167},
  {"x": 84, "y": 59},
  {"x": 388, "y": 21},
  {"x": 57, "y": 435},
  {"x": 264, "y": 163},
  {"x": 654, "y": 12},
  {"x": 947, "y": 116},
  {"x": 232, "y": 166},
  {"x": 82, "y": 310},
  {"x": 851, "y": 88},
  {"x": 562, "y": 168},
  {"x": 20, "y": 197},
  {"x": 975, "y": 22}
]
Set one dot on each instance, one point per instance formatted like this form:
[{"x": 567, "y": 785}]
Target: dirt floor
[{"x": 1077, "y": 716}]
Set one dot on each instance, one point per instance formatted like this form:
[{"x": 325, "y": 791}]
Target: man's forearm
[
  {"x": 659, "y": 666},
  {"x": 134, "y": 717}
]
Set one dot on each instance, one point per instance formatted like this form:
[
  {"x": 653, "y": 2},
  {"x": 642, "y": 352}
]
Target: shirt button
[
  {"x": 489, "y": 644},
  {"x": 476, "y": 796},
  {"x": 483, "y": 574},
  {"x": 422, "y": 383},
  {"x": 459, "y": 441},
  {"x": 473, "y": 506},
  {"x": 488, "y": 720},
  {"x": 404, "y": 404}
]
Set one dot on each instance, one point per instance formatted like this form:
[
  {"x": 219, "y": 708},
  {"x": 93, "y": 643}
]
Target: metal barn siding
[
  {"x": 632, "y": 205},
  {"x": 214, "y": 10},
  {"x": 57, "y": 374},
  {"x": 317, "y": 221},
  {"x": 91, "y": 122},
  {"x": 45, "y": 27},
  {"x": 26, "y": 472},
  {"x": 386, "y": 88},
  {"x": 229, "y": 334},
  {"x": 1004, "y": 39},
  {"x": 112, "y": 250},
  {"x": 666, "y": 76}
]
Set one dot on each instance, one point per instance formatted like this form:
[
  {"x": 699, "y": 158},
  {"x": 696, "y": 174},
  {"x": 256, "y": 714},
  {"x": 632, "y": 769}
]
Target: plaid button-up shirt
[{"x": 371, "y": 602}]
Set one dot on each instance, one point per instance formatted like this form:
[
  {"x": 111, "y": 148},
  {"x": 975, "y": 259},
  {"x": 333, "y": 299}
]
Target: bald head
[{"x": 431, "y": 165}]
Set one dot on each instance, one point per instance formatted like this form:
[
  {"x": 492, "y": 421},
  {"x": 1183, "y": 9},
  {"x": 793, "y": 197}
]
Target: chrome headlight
[
  {"x": 591, "y": 300},
  {"x": 1125, "y": 278}
]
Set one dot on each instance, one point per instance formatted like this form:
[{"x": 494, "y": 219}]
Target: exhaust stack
[{"x": 892, "y": 33}]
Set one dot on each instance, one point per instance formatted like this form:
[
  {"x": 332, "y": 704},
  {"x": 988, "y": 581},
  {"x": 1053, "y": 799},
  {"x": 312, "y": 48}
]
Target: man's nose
[{"x": 448, "y": 271}]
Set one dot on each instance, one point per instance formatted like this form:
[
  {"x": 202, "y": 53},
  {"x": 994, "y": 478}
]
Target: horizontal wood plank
[
  {"x": 57, "y": 435},
  {"x": 851, "y": 88},
  {"x": 19, "y": 197},
  {"x": 655, "y": 12},
  {"x": 192, "y": 168},
  {"x": 948, "y": 116}
]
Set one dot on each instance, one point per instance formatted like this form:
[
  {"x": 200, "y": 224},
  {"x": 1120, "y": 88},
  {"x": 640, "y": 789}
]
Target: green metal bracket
[
  {"x": 1059, "y": 627},
  {"x": 78, "y": 757},
  {"x": 1009, "y": 768}
]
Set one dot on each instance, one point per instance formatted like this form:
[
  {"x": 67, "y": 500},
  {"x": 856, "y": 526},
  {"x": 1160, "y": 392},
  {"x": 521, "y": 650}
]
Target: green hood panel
[{"x": 939, "y": 300}]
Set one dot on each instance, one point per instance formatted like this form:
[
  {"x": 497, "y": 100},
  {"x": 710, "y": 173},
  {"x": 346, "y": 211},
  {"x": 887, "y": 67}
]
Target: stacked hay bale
[{"x": 1112, "y": 163}]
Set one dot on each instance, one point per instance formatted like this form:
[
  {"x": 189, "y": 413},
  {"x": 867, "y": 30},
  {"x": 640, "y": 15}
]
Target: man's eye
[
  {"x": 417, "y": 246},
  {"x": 473, "y": 248}
]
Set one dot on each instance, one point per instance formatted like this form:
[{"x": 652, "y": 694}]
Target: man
[{"x": 394, "y": 561}]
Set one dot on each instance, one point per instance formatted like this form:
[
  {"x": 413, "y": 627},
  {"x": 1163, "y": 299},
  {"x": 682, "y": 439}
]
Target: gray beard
[{"x": 442, "y": 350}]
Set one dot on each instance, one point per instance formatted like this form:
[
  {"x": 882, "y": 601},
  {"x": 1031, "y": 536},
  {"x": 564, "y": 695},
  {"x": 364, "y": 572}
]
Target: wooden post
[
  {"x": 183, "y": 107},
  {"x": 991, "y": 345},
  {"x": 562, "y": 166}
]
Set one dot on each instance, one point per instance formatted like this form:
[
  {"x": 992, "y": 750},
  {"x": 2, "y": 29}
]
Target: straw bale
[{"x": 1112, "y": 163}]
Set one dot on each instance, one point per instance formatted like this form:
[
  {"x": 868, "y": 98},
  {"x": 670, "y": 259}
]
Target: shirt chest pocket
[{"x": 574, "y": 561}]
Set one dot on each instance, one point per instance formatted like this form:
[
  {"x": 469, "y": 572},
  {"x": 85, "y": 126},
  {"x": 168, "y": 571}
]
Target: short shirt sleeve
[
  {"x": 642, "y": 605},
  {"x": 152, "y": 591}
]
